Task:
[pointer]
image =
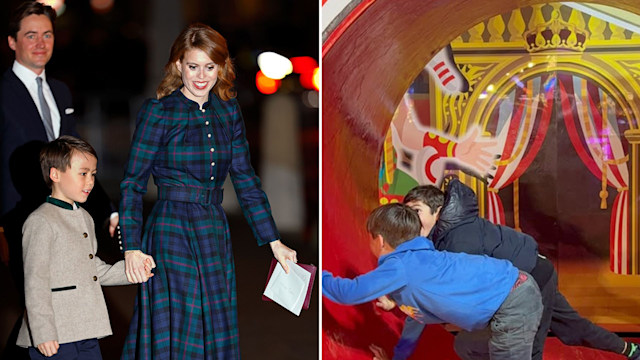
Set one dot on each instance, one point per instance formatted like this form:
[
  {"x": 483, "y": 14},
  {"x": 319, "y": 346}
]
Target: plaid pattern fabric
[{"x": 188, "y": 309}]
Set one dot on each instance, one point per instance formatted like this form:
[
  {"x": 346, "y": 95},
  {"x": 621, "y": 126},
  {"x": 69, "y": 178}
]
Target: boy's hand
[
  {"x": 135, "y": 264},
  {"x": 281, "y": 252},
  {"x": 385, "y": 303},
  {"x": 147, "y": 268},
  {"x": 49, "y": 348},
  {"x": 378, "y": 353}
]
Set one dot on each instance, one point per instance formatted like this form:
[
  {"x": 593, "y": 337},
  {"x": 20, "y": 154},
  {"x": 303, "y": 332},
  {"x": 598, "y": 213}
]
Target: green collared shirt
[{"x": 62, "y": 204}]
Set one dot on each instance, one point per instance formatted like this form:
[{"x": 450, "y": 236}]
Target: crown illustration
[{"x": 556, "y": 34}]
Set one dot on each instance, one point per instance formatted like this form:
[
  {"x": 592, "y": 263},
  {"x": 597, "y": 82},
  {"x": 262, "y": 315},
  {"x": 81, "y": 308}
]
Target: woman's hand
[
  {"x": 281, "y": 252},
  {"x": 137, "y": 266}
]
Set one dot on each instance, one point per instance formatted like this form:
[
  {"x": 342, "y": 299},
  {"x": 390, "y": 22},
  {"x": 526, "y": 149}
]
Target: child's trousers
[
  {"x": 78, "y": 350},
  {"x": 512, "y": 329},
  {"x": 568, "y": 326}
]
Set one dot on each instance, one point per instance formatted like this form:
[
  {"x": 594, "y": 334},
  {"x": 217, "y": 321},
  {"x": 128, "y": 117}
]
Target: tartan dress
[{"x": 188, "y": 309}]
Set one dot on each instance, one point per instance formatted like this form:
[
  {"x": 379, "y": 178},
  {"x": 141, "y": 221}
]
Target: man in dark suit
[{"x": 34, "y": 109}]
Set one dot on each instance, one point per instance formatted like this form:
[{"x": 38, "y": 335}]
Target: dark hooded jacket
[{"x": 460, "y": 229}]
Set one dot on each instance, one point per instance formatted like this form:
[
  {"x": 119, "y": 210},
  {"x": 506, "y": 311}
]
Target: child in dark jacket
[
  {"x": 451, "y": 220},
  {"x": 470, "y": 291}
]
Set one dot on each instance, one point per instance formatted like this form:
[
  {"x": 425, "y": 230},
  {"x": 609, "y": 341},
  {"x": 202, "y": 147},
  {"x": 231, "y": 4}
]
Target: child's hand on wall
[
  {"x": 385, "y": 303},
  {"x": 378, "y": 352}
]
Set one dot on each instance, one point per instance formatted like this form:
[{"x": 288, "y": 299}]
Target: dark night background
[{"x": 112, "y": 60}]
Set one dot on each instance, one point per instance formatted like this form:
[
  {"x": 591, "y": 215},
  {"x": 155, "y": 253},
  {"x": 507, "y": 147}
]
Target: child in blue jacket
[
  {"x": 451, "y": 220},
  {"x": 433, "y": 287}
]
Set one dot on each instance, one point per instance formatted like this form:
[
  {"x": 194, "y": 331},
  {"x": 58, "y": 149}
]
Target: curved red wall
[{"x": 366, "y": 67}]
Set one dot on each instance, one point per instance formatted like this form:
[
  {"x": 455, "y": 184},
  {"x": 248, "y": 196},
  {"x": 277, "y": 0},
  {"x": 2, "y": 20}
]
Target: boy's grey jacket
[{"x": 63, "y": 278}]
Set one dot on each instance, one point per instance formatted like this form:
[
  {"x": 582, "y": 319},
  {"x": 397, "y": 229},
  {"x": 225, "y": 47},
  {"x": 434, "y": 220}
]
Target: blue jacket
[
  {"x": 459, "y": 229},
  {"x": 431, "y": 286}
]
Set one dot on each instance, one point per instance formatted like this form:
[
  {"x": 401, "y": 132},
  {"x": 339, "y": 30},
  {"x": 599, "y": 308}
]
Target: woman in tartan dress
[{"x": 189, "y": 139}]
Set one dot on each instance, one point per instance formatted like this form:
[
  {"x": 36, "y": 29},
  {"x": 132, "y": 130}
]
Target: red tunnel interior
[{"x": 367, "y": 68}]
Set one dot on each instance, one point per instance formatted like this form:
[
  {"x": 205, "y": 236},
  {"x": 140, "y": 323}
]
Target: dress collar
[{"x": 192, "y": 104}]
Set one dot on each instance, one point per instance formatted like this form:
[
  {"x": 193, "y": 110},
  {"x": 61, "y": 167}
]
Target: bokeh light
[
  {"x": 311, "y": 79},
  {"x": 303, "y": 64},
  {"x": 310, "y": 99},
  {"x": 101, "y": 6},
  {"x": 57, "y": 5},
  {"x": 265, "y": 84},
  {"x": 316, "y": 78},
  {"x": 274, "y": 65}
]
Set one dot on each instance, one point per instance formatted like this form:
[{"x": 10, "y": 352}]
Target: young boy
[
  {"x": 470, "y": 291},
  {"x": 65, "y": 309},
  {"x": 452, "y": 222}
]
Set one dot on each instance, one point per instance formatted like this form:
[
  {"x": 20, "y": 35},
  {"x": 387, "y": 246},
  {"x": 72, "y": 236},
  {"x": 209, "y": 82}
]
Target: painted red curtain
[
  {"x": 521, "y": 122},
  {"x": 592, "y": 124}
]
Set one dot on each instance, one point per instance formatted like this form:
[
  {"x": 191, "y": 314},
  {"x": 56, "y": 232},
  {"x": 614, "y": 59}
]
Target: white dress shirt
[{"x": 28, "y": 78}]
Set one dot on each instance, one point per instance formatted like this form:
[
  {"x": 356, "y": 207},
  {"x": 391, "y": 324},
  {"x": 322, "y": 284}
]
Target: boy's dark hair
[
  {"x": 396, "y": 223},
  {"x": 57, "y": 154},
  {"x": 427, "y": 194},
  {"x": 29, "y": 8}
]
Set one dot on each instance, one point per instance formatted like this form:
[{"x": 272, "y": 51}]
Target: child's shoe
[{"x": 634, "y": 351}]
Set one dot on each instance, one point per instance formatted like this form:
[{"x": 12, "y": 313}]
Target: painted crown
[{"x": 556, "y": 34}]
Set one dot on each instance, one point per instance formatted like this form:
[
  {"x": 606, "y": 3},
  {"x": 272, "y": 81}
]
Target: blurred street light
[
  {"x": 57, "y": 5},
  {"x": 265, "y": 84},
  {"x": 274, "y": 66}
]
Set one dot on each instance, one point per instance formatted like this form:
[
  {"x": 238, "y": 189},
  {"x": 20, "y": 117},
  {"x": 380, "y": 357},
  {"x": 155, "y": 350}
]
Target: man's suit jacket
[
  {"x": 21, "y": 124},
  {"x": 22, "y": 134}
]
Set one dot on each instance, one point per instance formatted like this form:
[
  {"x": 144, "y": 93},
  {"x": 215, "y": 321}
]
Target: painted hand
[{"x": 476, "y": 152}]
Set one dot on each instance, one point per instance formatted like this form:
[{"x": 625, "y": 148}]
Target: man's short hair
[
  {"x": 429, "y": 195},
  {"x": 25, "y": 9},
  {"x": 57, "y": 154},
  {"x": 396, "y": 223}
]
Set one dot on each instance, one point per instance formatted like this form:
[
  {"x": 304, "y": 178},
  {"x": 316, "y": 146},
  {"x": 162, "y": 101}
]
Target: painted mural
[{"x": 536, "y": 109}]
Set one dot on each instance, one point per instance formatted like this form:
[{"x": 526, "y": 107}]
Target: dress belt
[{"x": 190, "y": 194}]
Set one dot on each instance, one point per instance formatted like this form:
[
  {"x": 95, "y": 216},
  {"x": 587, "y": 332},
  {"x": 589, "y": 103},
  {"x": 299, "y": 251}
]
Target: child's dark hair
[
  {"x": 396, "y": 223},
  {"x": 57, "y": 154},
  {"x": 427, "y": 194}
]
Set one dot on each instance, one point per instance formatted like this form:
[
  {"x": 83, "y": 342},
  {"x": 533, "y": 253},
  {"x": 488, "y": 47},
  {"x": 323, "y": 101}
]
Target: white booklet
[{"x": 288, "y": 290}]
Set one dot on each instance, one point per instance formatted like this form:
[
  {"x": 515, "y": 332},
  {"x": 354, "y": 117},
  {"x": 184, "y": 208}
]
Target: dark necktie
[{"x": 46, "y": 113}]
